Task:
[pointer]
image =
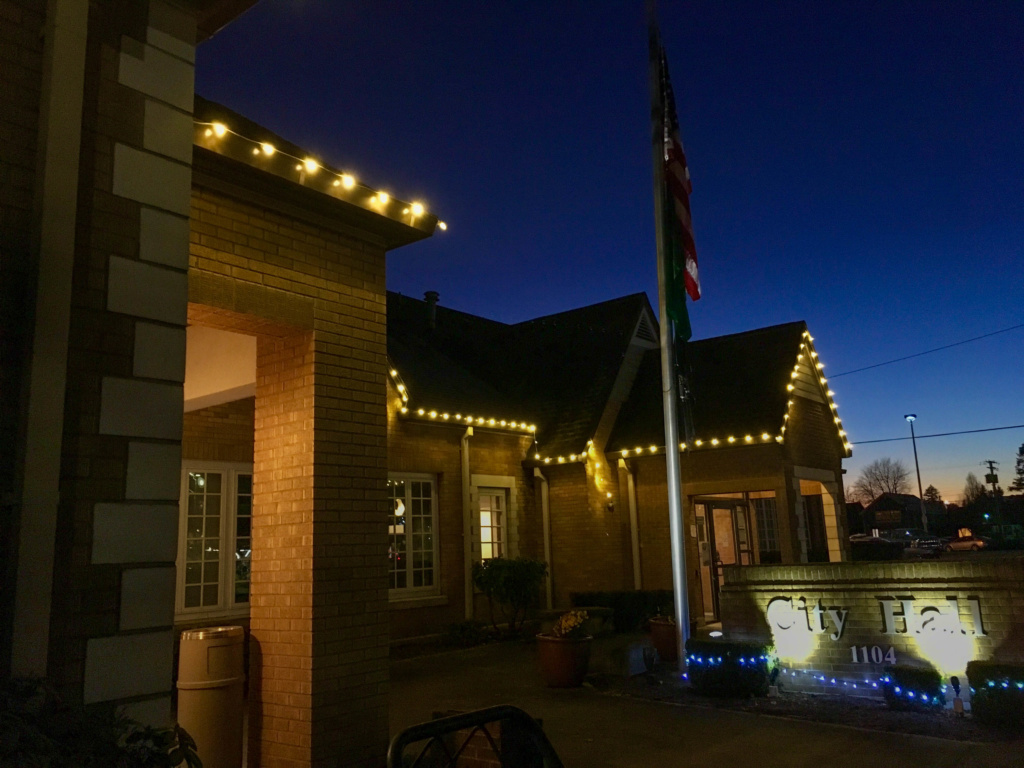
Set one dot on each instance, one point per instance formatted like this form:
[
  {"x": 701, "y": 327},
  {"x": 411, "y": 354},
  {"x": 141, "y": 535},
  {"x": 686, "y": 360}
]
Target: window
[
  {"x": 412, "y": 550},
  {"x": 492, "y": 523},
  {"x": 767, "y": 530},
  {"x": 215, "y": 540}
]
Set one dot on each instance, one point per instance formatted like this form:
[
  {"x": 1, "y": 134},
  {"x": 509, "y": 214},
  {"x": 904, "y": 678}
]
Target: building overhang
[
  {"x": 239, "y": 179},
  {"x": 214, "y": 15}
]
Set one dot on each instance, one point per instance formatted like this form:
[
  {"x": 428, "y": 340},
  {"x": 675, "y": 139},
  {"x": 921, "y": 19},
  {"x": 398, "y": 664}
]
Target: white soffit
[{"x": 220, "y": 366}]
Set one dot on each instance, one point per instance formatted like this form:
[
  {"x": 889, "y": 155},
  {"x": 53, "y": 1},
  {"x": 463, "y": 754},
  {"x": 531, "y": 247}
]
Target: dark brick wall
[
  {"x": 86, "y": 597},
  {"x": 21, "y": 69},
  {"x": 811, "y": 435}
]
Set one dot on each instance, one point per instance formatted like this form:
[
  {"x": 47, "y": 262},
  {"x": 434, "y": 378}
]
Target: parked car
[
  {"x": 968, "y": 542},
  {"x": 904, "y": 536},
  {"x": 926, "y": 546}
]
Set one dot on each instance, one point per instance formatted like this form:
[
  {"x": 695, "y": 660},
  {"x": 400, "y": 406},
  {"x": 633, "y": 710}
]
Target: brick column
[{"x": 318, "y": 606}]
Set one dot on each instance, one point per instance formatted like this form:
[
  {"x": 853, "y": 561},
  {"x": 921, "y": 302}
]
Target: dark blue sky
[{"x": 856, "y": 165}]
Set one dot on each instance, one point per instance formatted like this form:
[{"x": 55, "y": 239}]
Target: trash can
[{"x": 211, "y": 673}]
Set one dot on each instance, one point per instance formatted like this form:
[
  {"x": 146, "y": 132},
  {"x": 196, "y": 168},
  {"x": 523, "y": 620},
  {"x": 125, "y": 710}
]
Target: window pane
[
  {"x": 192, "y": 596},
  {"x": 213, "y": 482},
  {"x": 194, "y": 528},
  {"x": 410, "y": 538},
  {"x": 193, "y": 573},
  {"x": 210, "y": 595},
  {"x": 767, "y": 530},
  {"x": 243, "y": 542}
]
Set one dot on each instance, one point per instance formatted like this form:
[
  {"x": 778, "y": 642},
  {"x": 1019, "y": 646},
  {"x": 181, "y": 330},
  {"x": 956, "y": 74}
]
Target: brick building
[
  {"x": 545, "y": 439},
  {"x": 129, "y": 211}
]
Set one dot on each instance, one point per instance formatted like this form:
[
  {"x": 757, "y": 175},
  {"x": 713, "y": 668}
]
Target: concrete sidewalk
[{"x": 600, "y": 730}]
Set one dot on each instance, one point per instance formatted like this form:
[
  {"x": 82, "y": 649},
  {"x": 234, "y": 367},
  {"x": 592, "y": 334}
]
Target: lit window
[
  {"x": 215, "y": 540},
  {"x": 412, "y": 535},
  {"x": 492, "y": 523}
]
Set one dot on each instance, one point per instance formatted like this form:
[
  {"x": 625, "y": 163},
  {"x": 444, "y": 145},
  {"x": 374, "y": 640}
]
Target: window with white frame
[
  {"x": 412, "y": 536},
  {"x": 492, "y": 523},
  {"x": 767, "y": 527},
  {"x": 215, "y": 540}
]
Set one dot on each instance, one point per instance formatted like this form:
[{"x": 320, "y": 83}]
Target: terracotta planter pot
[
  {"x": 563, "y": 661},
  {"x": 664, "y": 635}
]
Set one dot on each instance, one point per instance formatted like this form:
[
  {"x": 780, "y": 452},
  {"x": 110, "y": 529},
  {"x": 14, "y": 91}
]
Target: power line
[
  {"x": 938, "y": 434},
  {"x": 927, "y": 352}
]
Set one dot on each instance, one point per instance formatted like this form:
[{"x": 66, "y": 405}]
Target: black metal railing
[{"x": 503, "y": 736}]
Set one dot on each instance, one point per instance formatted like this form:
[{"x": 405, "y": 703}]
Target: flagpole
[{"x": 668, "y": 378}]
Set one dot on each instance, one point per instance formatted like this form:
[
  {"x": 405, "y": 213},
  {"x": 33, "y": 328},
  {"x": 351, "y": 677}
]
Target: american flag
[{"x": 681, "y": 258}]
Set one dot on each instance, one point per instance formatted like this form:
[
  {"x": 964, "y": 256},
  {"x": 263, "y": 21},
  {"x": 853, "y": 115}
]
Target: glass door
[{"x": 727, "y": 525}]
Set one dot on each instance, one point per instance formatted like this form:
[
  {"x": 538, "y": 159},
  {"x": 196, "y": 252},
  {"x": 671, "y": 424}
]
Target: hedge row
[
  {"x": 997, "y": 693},
  {"x": 916, "y": 688},
  {"x": 729, "y": 668},
  {"x": 631, "y": 609}
]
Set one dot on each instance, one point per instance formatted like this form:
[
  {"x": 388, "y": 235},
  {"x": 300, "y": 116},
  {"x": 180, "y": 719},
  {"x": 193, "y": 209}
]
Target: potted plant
[
  {"x": 665, "y": 637},
  {"x": 564, "y": 652}
]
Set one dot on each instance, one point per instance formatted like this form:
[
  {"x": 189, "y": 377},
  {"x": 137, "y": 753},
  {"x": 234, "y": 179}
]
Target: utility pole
[
  {"x": 993, "y": 478},
  {"x": 911, "y": 418}
]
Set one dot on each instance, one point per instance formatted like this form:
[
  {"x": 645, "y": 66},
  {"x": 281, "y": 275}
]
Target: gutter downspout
[
  {"x": 545, "y": 514},
  {"x": 56, "y": 183},
  {"x": 634, "y": 522},
  {"x": 467, "y": 525}
]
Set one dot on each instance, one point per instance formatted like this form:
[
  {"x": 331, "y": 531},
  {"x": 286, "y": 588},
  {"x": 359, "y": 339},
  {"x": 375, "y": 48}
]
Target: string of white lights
[{"x": 309, "y": 166}]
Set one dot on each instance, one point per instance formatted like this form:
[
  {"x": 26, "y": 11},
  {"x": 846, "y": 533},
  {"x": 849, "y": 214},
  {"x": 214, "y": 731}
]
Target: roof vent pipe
[{"x": 431, "y": 298}]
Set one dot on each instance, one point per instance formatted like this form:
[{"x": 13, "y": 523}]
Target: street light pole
[{"x": 920, "y": 492}]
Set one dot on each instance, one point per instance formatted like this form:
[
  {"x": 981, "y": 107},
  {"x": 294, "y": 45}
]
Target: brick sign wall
[{"x": 845, "y": 622}]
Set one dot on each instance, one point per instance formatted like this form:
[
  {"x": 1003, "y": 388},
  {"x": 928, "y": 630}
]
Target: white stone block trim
[
  {"x": 152, "y": 179},
  {"x": 143, "y": 290},
  {"x": 154, "y": 471},
  {"x": 159, "y": 352},
  {"x": 134, "y": 533},
  {"x": 147, "y": 598},
  {"x": 163, "y": 237},
  {"x": 135, "y": 408},
  {"x": 160, "y": 75},
  {"x": 171, "y": 45},
  {"x": 167, "y": 131},
  {"x": 128, "y": 665}
]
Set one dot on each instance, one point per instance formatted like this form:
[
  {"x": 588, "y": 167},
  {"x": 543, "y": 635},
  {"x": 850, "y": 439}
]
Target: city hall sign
[
  {"x": 937, "y": 628},
  {"x": 897, "y": 617}
]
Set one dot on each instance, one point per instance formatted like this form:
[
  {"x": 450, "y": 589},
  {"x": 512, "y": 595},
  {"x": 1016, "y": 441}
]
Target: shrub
[
  {"x": 729, "y": 668},
  {"x": 38, "y": 729},
  {"x": 997, "y": 693},
  {"x": 918, "y": 688},
  {"x": 512, "y": 583},
  {"x": 631, "y": 608}
]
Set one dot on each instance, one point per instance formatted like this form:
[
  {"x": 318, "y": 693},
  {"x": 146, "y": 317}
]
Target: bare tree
[
  {"x": 974, "y": 490},
  {"x": 882, "y": 476}
]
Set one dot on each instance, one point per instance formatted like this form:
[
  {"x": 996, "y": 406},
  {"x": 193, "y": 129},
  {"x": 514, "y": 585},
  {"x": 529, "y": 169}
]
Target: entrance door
[{"x": 728, "y": 532}]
